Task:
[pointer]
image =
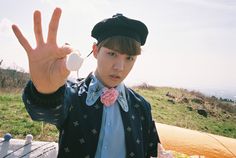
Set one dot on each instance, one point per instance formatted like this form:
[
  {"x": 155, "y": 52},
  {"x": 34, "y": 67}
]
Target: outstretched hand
[{"x": 47, "y": 61}]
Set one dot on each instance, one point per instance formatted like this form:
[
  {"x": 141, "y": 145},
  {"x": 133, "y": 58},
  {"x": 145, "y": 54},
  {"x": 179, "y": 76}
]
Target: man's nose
[{"x": 119, "y": 65}]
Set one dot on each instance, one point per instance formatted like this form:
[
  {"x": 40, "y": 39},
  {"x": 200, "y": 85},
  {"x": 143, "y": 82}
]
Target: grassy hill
[
  {"x": 169, "y": 105},
  {"x": 192, "y": 110},
  {"x": 172, "y": 106}
]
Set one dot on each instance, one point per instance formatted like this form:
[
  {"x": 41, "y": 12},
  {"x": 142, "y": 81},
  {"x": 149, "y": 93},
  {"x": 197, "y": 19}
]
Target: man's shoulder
[{"x": 139, "y": 99}]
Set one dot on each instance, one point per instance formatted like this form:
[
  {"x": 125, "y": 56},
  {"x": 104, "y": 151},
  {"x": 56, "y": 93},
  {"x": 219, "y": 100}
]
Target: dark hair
[{"x": 122, "y": 44}]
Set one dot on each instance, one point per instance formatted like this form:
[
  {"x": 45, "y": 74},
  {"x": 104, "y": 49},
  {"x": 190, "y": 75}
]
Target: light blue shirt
[{"x": 112, "y": 137}]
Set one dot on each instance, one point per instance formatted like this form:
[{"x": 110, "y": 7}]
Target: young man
[{"x": 97, "y": 116}]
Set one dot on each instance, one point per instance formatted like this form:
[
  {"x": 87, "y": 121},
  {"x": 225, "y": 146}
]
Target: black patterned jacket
[{"x": 79, "y": 125}]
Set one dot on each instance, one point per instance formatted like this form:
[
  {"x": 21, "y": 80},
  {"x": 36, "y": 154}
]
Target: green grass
[
  {"x": 177, "y": 114},
  {"x": 15, "y": 120}
]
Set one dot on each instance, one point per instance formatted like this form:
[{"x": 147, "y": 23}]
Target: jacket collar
[{"x": 94, "y": 91}]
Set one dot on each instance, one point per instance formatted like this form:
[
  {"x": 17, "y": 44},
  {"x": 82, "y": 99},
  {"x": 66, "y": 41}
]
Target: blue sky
[{"x": 191, "y": 43}]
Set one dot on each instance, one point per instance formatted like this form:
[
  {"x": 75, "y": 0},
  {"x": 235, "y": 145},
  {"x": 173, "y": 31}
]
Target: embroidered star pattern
[{"x": 76, "y": 123}]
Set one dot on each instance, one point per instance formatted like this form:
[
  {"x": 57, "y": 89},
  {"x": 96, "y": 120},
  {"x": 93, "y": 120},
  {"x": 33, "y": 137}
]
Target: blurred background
[{"x": 191, "y": 43}]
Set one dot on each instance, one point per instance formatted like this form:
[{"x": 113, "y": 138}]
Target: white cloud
[
  {"x": 191, "y": 42},
  {"x": 52, "y": 3},
  {"x": 220, "y": 4},
  {"x": 5, "y": 27}
]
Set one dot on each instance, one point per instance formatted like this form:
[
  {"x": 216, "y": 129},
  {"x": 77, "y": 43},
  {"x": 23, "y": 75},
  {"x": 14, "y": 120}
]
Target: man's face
[{"x": 112, "y": 66}]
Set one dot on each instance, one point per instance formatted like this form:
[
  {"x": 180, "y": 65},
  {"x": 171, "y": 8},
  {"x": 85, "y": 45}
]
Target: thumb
[{"x": 65, "y": 50}]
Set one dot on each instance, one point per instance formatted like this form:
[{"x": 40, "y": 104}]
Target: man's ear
[{"x": 95, "y": 50}]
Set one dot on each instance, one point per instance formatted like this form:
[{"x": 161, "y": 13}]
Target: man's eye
[
  {"x": 112, "y": 53},
  {"x": 130, "y": 58}
]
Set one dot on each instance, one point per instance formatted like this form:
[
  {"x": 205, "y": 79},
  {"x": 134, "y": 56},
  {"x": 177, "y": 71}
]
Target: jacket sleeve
[
  {"x": 153, "y": 137},
  {"x": 50, "y": 108},
  {"x": 153, "y": 140}
]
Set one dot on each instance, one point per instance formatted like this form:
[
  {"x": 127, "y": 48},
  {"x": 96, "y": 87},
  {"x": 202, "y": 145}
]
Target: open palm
[{"x": 47, "y": 61}]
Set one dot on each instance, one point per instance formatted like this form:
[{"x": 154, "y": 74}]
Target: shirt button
[
  {"x": 109, "y": 123},
  {"x": 105, "y": 147}
]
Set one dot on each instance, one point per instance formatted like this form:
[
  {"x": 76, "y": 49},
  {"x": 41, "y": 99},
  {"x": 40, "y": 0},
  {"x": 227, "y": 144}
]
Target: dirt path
[{"x": 192, "y": 142}]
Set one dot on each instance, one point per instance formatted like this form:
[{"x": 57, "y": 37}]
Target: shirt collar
[{"x": 95, "y": 90}]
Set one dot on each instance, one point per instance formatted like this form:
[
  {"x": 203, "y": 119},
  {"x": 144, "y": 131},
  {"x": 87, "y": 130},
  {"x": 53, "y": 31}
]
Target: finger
[
  {"x": 53, "y": 26},
  {"x": 38, "y": 28},
  {"x": 23, "y": 41},
  {"x": 65, "y": 50}
]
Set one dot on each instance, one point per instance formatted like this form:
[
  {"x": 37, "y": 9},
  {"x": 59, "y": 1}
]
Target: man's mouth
[{"x": 115, "y": 77}]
